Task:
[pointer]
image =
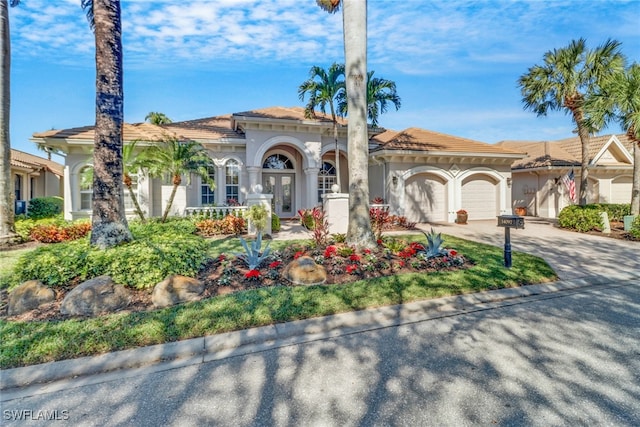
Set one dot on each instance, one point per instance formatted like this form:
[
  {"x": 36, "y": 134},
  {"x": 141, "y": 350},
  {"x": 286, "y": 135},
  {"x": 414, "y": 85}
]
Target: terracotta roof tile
[
  {"x": 287, "y": 113},
  {"x": 416, "y": 139},
  {"x": 26, "y": 160},
  {"x": 564, "y": 152}
]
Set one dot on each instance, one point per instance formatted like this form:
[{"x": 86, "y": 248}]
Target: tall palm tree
[
  {"x": 172, "y": 158},
  {"x": 618, "y": 100},
  {"x": 569, "y": 76},
  {"x": 7, "y": 225},
  {"x": 354, "y": 25},
  {"x": 380, "y": 93},
  {"x": 109, "y": 223},
  {"x": 157, "y": 118},
  {"x": 324, "y": 87}
]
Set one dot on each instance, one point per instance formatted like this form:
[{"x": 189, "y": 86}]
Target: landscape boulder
[
  {"x": 305, "y": 271},
  {"x": 98, "y": 295},
  {"x": 29, "y": 295},
  {"x": 176, "y": 289}
]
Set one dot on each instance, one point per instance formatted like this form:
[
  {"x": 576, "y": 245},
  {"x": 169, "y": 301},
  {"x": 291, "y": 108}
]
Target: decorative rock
[
  {"x": 29, "y": 295},
  {"x": 305, "y": 271},
  {"x": 176, "y": 289},
  {"x": 95, "y": 296}
]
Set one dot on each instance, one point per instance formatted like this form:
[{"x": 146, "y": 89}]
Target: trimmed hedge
[
  {"x": 157, "y": 251},
  {"x": 275, "y": 223},
  {"x": 615, "y": 211},
  {"x": 635, "y": 227},
  {"x": 581, "y": 218},
  {"x": 45, "y": 207}
]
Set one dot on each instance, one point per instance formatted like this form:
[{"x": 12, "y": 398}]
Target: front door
[{"x": 282, "y": 188}]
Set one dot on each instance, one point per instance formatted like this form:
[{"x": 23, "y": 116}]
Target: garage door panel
[
  {"x": 425, "y": 198},
  {"x": 480, "y": 198},
  {"x": 621, "y": 190}
]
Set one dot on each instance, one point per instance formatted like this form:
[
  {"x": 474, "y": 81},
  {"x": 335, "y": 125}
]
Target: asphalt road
[{"x": 567, "y": 358}]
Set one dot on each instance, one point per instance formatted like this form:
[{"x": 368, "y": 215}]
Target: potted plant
[
  {"x": 461, "y": 216},
  {"x": 520, "y": 210}
]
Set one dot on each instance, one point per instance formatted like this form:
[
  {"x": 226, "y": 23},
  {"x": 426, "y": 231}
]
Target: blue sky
[{"x": 455, "y": 63}]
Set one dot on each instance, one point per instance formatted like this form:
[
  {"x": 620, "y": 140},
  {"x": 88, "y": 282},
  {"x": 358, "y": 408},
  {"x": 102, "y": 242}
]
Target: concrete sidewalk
[{"x": 581, "y": 261}]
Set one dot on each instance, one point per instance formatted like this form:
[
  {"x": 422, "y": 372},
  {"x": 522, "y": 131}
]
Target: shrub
[
  {"x": 380, "y": 220},
  {"x": 615, "y": 211},
  {"x": 635, "y": 227},
  {"x": 581, "y": 218},
  {"x": 306, "y": 218},
  {"x": 257, "y": 214},
  {"x": 140, "y": 264},
  {"x": 56, "y": 233},
  {"x": 45, "y": 207},
  {"x": 275, "y": 223},
  {"x": 228, "y": 225}
]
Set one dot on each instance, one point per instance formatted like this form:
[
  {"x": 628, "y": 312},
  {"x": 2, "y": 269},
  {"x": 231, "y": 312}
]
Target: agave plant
[
  {"x": 434, "y": 245},
  {"x": 253, "y": 256}
]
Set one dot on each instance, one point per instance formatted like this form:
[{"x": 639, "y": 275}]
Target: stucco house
[
  {"x": 537, "y": 178},
  {"x": 424, "y": 175},
  {"x": 33, "y": 176}
]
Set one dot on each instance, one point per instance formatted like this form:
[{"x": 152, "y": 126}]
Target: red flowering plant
[
  {"x": 330, "y": 251},
  {"x": 298, "y": 254},
  {"x": 252, "y": 275},
  {"x": 352, "y": 269},
  {"x": 275, "y": 264}
]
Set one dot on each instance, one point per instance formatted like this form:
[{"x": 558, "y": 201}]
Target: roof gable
[
  {"x": 29, "y": 161},
  {"x": 613, "y": 152}
]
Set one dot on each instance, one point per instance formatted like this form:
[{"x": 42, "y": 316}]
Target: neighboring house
[
  {"x": 34, "y": 176},
  {"x": 424, "y": 175},
  {"x": 537, "y": 179}
]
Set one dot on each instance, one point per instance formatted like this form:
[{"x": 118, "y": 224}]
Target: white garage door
[
  {"x": 480, "y": 198},
  {"x": 425, "y": 198},
  {"x": 621, "y": 190}
]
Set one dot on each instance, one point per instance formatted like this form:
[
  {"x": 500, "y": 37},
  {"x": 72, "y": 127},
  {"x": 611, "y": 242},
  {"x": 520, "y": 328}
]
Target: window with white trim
[
  {"x": 207, "y": 192},
  {"x": 326, "y": 178},
  {"x": 232, "y": 182},
  {"x": 86, "y": 188}
]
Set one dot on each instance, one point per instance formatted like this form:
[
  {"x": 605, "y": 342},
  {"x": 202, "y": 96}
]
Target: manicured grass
[
  {"x": 7, "y": 260},
  {"x": 37, "y": 342}
]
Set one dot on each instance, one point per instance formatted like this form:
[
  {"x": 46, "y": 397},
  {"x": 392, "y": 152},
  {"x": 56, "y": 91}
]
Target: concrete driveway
[{"x": 572, "y": 255}]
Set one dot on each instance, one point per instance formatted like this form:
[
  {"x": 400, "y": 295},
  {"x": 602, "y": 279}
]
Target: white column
[
  {"x": 254, "y": 172},
  {"x": 68, "y": 199},
  {"x": 311, "y": 175}
]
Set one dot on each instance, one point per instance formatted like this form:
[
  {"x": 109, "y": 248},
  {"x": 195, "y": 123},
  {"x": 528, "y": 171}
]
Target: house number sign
[{"x": 509, "y": 222}]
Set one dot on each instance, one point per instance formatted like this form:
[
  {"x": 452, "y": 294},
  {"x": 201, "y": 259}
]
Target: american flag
[{"x": 570, "y": 182}]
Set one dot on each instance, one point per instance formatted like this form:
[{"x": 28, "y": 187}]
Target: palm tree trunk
[
  {"x": 7, "y": 226},
  {"x": 134, "y": 199},
  {"x": 635, "y": 188},
  {"x": 354, "y": 18},
  {"x": 109, "y": 223},
  {"x": 583, "y": 133},
  {"x": 335, "y": 137},
  {"x": 170, "y": 202}
]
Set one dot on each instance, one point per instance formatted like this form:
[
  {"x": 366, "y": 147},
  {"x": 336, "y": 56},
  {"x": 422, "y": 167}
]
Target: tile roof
[
  {"x": 563, "y": 152},
  {"x": 26, "y": 160},
  {"x": 416, "y": 139},
  {"x": 131, "y": 132},
  {"x": 207, "y": 128},
  {"x": 287, "y": 113}
]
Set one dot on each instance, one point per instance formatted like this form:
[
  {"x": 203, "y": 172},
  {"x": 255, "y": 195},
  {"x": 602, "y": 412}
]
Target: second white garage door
[
  {"x": 621, "y": 190},
  {"x": 425, "y": 198},
  {"x": 480, "y": 197}
]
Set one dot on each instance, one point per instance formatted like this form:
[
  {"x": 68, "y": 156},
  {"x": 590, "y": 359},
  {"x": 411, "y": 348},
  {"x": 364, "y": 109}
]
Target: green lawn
[{"x": 37, "y": 342}]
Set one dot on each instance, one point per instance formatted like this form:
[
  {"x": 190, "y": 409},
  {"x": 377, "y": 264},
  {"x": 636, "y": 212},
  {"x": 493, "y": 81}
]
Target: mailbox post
[{"x": 509, "y": 222}]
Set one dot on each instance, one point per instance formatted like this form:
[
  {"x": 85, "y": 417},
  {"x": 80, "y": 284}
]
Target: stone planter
[{"x": 520, "y": 211}]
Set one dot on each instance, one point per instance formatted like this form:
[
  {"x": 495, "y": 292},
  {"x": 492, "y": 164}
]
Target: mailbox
[
  {"x": 508, "y": 222},
  {"x": 511, "y": 221}
]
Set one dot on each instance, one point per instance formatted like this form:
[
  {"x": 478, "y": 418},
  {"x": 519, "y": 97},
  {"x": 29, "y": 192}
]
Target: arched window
[
  {"x": 277, "y": 161},
  {"x": 207, "y": 192},
  {"x": 326, "y": 178},
  {"x": 86, "y": 187},
  {"x": 232, "y": 182}
]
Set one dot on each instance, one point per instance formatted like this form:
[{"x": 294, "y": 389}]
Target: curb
[{"x": 231, "y": 344}]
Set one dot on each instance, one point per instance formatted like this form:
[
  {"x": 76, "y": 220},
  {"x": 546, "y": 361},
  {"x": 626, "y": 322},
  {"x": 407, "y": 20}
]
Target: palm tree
[
  {"x": 172, "y": 158},
  {"x": 7, "y": 225},
  {"x": 380, "y": 92},
  {"x": 108, "y": 222},
  {"x": 157, "y": 118},
  {"x": 618, "y": 100},
  {"x": 569, "y": 76},
  {"x": 324, "y": 87}
]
